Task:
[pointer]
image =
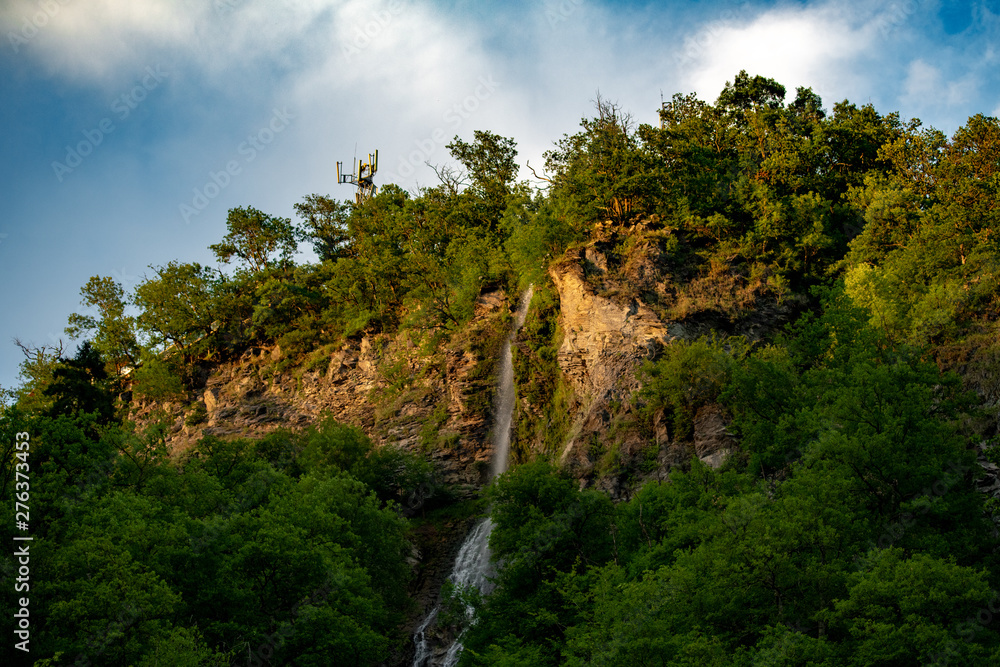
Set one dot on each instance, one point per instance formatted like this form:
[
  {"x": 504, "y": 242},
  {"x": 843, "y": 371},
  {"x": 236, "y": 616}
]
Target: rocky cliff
[
  {"x": 390, "y": 387},
  {"x": 404, "y": 391}
]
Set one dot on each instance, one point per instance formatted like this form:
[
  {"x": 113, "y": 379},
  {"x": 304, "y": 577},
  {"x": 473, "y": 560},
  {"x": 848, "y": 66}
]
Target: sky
[{"x": 131, "y": 127}]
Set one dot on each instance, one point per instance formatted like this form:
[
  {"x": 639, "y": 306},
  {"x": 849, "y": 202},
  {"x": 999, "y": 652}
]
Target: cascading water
[
  {"x": 504, "y": 407},
  {"x": 473, "y": 566},
  {"x": 423, "y": 651}
]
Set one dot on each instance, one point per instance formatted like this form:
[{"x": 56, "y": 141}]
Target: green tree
[
  {"x": 183, "y": 647},
  {"x": 13, "y": 421},
  {"x": 491, "y": 162},
  {"x": 81, "y": 386},
  {"x": 103, "y": 604},
  {"x": 318, "y": 567},
  {"x": 177, "y": 305},
  {"x": 113, "y": 330},
  {"x": 256, "y": 238},
  {"x": 602, "y": 172},
  {"x": 549, "y": 535},
  {"x": 325, "y": 223},
  {"x": 366, "y": 287},
  {"x": 910, "y": 610},
  {"x": 157, "y": 380},
  {"x": 925, "y": 265},
  {"x": 687, "y": 376},
  {"x": 745, "y": 93},
  {"x": 35, "y": 374}
]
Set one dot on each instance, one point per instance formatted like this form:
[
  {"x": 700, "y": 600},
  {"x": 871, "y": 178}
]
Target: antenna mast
[{"x": 361, "y": 177}]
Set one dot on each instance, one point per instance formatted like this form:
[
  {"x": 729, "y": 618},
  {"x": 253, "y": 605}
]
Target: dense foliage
[
  {"x": 848, "y": 531},
  {"x": 280, "y": 551},
  {"x": 845, "y": 263}
]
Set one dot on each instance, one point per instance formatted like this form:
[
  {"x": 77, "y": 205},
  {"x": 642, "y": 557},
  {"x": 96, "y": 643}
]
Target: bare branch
[
  {"x": 33, "y": 352},
  {"x": 452, "y": 179},
  {"x": 541, "y": 178},
  {"x": 611, "y": 113}
]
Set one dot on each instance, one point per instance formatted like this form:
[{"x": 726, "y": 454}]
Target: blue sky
[{"x": 133, "y": 126}]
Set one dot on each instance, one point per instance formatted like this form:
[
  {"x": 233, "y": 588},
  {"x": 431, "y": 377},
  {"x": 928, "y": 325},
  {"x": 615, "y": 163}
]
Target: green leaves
[
  {"x": 846, "y": 532},
  {"x": 602, "y": 173},
  {"x": 913, "y": 610},
  {"x": 326, "y": 224},
  {"x": 177, "y": 304},
  {"x": 745, "y": 93},
  {"x": 81, "y": 386},
  {"x": 926, "y": 264},
  {"x": 688, "y": 376},
  {"x": 255, "y": 238},
  {"x": 490, "y": 161},
  {"x": 114, "y": 330},
  {"x": 140, "y": 559}
]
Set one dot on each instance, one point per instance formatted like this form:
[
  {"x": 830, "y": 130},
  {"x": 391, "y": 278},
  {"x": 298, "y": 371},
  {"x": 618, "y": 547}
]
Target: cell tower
[{"x": 361, "y": 177}]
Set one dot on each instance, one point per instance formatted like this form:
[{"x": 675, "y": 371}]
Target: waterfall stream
[{"x": 473, "y": 566}]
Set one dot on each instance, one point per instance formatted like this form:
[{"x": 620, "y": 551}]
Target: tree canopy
[{"x": 830, "y": 277}]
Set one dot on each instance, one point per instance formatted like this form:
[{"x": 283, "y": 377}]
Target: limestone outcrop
[
  {"x": 381, "y": 384},
  {"x": 604, "y": 340}
]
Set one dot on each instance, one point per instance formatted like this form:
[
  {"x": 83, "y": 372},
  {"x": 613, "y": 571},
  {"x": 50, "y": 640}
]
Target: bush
[
  {"x": 198, "y": 414},
  {"x": 156, "y": 380},
  {"x": 690, "y": 374}
]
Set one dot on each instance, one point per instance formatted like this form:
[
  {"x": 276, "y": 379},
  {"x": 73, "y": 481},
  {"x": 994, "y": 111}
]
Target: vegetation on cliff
[{"x": 836, "y": 274}]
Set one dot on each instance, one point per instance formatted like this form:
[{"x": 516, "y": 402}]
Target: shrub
[
  {"x": 156, "y": 380},
  {"x": 690, "y": 374}
]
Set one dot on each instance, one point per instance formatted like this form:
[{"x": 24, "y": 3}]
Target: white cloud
[
  {"x": 386, "y": 72},
  {"x": 922, "y": 80},
  {"x": 927, "y": 88},
  {"x": 93, "y": 40},
  {"x": 103, "y": 42},
  {"x": 810, "y": 46},
  {"x": 388, "y": 78}
]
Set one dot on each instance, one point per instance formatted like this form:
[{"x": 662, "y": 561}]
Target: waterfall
[
  {"x": 504, "y": 402},
  {"x": 473, "y": 566},
  {"x": 423, "y": 651}
]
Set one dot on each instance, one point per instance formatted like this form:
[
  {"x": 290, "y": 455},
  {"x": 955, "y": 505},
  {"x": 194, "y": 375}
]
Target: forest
[{"x": 849, "y": 527}]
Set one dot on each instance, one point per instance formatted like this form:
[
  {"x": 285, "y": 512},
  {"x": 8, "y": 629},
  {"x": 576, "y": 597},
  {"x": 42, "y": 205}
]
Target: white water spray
[
  {"x": 423, "y": 651},
  {"x": 473, "y": 566},
  {"x": 505, "y": 398}
]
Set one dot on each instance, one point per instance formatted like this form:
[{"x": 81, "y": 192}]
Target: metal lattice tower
[{"x": 361, "y": 177}]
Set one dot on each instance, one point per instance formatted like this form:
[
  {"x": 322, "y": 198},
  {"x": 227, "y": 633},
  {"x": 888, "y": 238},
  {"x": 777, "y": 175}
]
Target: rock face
[
  {"x": 712, "y": 439},
  {"x": 440, "y": 402},
  {"x": 382, "y": 385},
  {"x": 604, "y": 340}
]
